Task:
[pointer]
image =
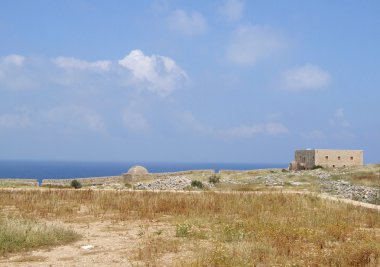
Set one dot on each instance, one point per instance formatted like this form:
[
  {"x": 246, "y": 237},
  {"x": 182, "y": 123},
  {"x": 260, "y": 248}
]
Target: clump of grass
[
  {"x": 183, "y": 230},
  {"x": 21, "y": 234}
]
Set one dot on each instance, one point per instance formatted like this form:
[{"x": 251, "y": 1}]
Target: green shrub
[
  {"x": 214, "y": 179},
  {"x": 196, "y": 183},
  {"x": 76, "y": 184}
]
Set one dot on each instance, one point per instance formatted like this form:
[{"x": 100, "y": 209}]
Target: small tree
[{"x": 76, "y": 184}]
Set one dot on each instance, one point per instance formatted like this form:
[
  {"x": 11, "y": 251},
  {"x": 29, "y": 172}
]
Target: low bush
[
  {"x": 214, "y": 179},
  {"x": 76, "y": 184},
  {"x": 198, "y": 184}
]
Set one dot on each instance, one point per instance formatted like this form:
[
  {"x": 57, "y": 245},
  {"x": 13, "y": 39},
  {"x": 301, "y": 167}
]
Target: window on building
[
  {"x": 326, "y": 157},
  {"x": 352, "y": 158},
  {"x": 333, "y": 166},
  {"x": 338, "y": 157}
]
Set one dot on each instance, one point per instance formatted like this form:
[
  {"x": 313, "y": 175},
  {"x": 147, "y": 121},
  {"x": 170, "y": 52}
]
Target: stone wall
[
  {"x": 338, "y": 158},
  {"x": 305, "y": 159},
  {"x": 18, "y": 182},
  {"x": 122, "y": 179},
  {"x": 84, "y": 181},
  {"x": 180, "y": 173}
]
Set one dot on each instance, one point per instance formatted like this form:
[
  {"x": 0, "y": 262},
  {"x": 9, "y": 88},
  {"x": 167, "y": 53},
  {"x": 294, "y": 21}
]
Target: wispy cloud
[
  {"x": 252, "y": 44},
  {"x": 16, "y": 120},
  {"x": 307, "y": 77},
  {"x": 188, "y": 24},
  {"x": 249, "y": 131},
  {"x": 16, "y": 60},
  {"x": 232, "y": 9},
  {"x": 134, "y": 121},
  {"x": 314, "y": 135},
  {"x": 74, "y": 117},
  {"x": 72, "y": 63},
  {"x": 339, "y": 119},
  {"x": 241, "y": 132}
]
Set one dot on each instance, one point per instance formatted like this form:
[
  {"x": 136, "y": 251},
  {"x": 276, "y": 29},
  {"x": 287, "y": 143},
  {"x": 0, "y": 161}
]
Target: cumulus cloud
[
  {"x": 249, "y": 131},
  {"x": 74, "y": 117},
  {"x": 18, "y": 120},
  {"x": 187, "y": 24},
  {"x": 307, "y": 77},
  {"x": 339, "y": 119},
  {"x": 232, "y": 9},
  {"x": 252, "y": 44},
  {"x": 134, "y": 121},
  {"x": 74, "y": 63},
  {"x": 157, "y": 73}
]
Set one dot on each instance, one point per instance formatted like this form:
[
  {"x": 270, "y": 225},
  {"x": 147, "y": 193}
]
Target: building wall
[
  {"x": 338, "y": 158},
  {"x": 305, "y": 158}
]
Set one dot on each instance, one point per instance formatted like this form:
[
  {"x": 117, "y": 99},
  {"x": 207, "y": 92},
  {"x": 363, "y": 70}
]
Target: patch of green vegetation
[
  {"x": 214, "y": 179},
  {"x": 75, "y": 184},
  {"x": 20, "y": 234},
  {"x": 198, "y": 184},
  {"x": 317, "y": 167}
]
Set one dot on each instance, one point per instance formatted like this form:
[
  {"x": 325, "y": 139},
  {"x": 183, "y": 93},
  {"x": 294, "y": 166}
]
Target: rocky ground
[{"x": 334, "y": 182}]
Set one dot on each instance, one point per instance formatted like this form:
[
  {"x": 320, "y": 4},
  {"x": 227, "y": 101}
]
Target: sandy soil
[{"x": 104, "y": 243}]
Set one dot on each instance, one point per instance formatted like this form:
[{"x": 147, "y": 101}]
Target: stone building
[
  {"x": 136, "y": 173},
  {"x": 330, "y": 158}
]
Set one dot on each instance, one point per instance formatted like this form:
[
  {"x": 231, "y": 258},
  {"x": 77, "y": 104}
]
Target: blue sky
[{"x": 188, "y": 81}]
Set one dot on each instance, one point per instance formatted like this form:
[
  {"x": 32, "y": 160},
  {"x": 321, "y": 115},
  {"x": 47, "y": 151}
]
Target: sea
[{"x": 64, "y": 169}]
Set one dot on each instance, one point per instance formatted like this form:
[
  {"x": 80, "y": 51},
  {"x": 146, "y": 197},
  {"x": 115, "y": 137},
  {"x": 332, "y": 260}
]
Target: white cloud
[
  {"x": 14, "y": 75},
  {"x": 315, "y": 134},
  {"x": 157, "y": 74},
  {"x": 74, "y": 63},
  {"x": 73, "y": 117},
  {"x": 160, "y": 74},
  {"x": 187, "y": 24},
  {"x": 15, "y": 60},
  {"x": 307, "y": 77},
  {"x": 134, "y": 121},
  {"x": 19, "y": 120},
  {"x": 232, "y": 9},
  {"x": 249, "y": 131},
  {"x": 339, "y": 119},
  {"x": 252, "y": 44}
]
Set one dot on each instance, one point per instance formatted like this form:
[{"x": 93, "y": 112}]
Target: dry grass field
[{"x": 131, "y": 228}]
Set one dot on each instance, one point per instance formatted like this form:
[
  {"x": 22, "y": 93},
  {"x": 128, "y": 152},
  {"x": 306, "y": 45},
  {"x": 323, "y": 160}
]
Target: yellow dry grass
[{"x": 215, "y": 229}]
